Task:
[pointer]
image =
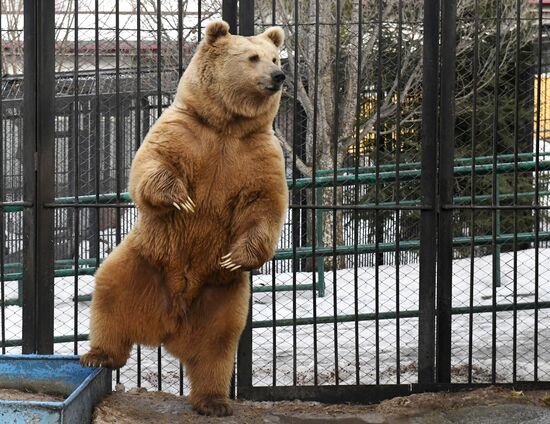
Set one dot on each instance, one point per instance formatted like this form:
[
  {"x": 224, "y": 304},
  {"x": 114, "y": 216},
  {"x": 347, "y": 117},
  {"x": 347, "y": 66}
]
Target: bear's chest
[{"x": 230, "y": 172}]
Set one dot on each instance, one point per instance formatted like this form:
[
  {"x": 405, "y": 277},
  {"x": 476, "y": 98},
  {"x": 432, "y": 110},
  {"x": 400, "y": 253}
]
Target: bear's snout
[{"x": 277, "y": 77}]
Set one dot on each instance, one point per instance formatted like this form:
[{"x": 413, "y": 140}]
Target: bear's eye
[
  {"x": 275, "y": 60},
  {"x": 254, "y": 58}
]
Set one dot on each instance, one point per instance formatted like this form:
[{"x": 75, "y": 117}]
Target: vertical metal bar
[
  {"x": 146, "y": 107},
  {"x": 274, "y": 314},
  {"x": 138, "y": 75},
  {"x": 199, "y": 20},
  {"x": 76, "y": 158},
  {"x": 138, "y": 365},
  {"x": 29, "y": 177},
  {"x": 358, "y": 102},
  {"x": 274, "y": 278},
  {"x": 497, "y": 277},
  {"x": 2, "y": 217},
  {"x": 138, "y": 132},
  {"x": 494, "y": 192},
  {"x": 244, "y": 354},
  {"x": 314, "y": 222},
  {"x": 398, "y": 195},
  {"x": 246, "y": 17},
  {"x": 319, "y": 213},
  {"x": 180, "y": 36},
  {"x": 537, "y": 198},
  {"x": 335, "y": 135},
  {"x": 159, "y": 112},
  {"x": 446, "y": 179},
  {"x": 97, "y": 138},
  {"x": 295, "y": 198},
  {"x": 233, "y": 384},
  {"x": 379, "y": 94},
  {"x": 159, "y": 368},
  {"x": 473, "y": 139},
  {"x": 38, "y": 130},
  {"x": 426, "y": 321},
  {"x": 181, "y": 380},
  {"x": 516, "y": 186},
  {"x": 118, "y": 131},
  {"x": 229, "y": 14}
]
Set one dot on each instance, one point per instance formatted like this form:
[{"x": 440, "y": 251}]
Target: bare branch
[{"x": 287, "y": 148}]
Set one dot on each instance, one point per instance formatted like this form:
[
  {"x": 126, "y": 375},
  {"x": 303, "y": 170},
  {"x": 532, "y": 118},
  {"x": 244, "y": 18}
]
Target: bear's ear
[
  {"x": 275, "y": 34},
  {"x": 215, "y": 30}
]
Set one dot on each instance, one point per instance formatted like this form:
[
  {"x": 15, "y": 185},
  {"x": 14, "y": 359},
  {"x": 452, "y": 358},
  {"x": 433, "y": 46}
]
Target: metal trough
[{"x": 81, "y": 387}]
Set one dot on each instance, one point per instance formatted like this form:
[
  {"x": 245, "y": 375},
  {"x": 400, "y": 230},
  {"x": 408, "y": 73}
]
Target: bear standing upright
[{"x": 210, "y": 188}]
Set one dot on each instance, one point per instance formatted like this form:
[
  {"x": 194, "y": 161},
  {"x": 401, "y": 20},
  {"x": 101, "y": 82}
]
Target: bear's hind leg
[
  {"x": 217, "y": 319},
  {"x": 109, "y": 342},
  {"x": 124, "y": 308}
]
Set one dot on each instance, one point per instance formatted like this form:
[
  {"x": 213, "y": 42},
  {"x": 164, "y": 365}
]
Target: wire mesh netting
[{"x": 339, "y": 303}]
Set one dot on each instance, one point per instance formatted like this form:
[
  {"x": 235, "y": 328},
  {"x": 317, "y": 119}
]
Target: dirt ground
[
  {"x": 12, "y": 394},
  {"x": 140, "y": 406}
]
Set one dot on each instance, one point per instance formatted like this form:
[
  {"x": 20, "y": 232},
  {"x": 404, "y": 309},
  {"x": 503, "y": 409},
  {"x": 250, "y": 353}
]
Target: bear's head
[{"x": 240, "y": 75}]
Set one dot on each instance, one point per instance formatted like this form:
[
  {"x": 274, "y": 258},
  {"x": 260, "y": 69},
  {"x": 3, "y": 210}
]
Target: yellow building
[{"x": 542, "y": 119}]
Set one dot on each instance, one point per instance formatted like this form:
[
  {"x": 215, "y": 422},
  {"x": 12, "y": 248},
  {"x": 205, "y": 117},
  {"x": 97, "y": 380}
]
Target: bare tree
[
  {"x": 179, "y": 22},
  {"x": 12, "y": 36},
  {"x": 375, "y": 67}
]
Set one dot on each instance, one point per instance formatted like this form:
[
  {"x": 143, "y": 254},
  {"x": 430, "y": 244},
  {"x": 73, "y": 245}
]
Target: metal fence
[{"x": 415, "y": 251}]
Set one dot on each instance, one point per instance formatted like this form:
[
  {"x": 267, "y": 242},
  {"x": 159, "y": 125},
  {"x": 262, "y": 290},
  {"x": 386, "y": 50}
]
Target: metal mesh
[{"x": 339, "y": 304}]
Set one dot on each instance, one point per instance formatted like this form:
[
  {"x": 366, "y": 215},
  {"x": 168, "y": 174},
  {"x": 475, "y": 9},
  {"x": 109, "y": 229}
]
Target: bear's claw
[
  {"x": 188, "y": 205},
  {"x": 228, "y": 263},
  {"x": 98, "y": 358}
]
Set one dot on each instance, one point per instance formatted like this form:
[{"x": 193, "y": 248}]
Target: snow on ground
[
  {"x": 374, "y": 341},
  {"x": 346, "y": 340}
]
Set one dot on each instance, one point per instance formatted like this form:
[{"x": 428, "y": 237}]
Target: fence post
[
  {"x": 428, "y": 217},
  {"x": 319, "y": 241},
  {"x": 498, "y": 248},
  {"x": 246, "y": 17},
  {"x": 445, "y": 179},
  {"x": 229, "y": 14},
  {"x": 244, "y": 354},
  {"x": 38, "y": 172}
]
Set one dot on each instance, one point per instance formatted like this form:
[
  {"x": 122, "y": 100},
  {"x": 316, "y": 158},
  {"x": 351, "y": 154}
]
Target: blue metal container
[{"x": 82, "y": 387}]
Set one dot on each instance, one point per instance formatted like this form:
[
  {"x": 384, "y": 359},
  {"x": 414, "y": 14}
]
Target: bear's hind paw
[{"x": 213, "y": 407}]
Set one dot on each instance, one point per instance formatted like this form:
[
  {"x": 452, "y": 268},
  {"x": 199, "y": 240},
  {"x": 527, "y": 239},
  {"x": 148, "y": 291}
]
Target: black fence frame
[
  {"x": 38, "y": 140},
  {"x": 436, "y": 251},
  {"x": 436, "y": 235}
]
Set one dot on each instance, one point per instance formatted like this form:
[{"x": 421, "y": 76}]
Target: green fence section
[
  {"x": 324, "y": 178},
  {"x": 390, "y": 315},
  {"x": 302, "y": 253},
  {"x": 414, "y": 165},
  {"x": 339, "y": 180}
]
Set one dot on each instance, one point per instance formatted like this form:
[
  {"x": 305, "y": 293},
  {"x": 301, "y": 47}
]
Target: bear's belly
[{"x": 195, "y": 241}]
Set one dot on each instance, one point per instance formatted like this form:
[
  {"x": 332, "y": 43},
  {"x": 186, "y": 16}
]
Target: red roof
[{"x": 110, "y": 46}]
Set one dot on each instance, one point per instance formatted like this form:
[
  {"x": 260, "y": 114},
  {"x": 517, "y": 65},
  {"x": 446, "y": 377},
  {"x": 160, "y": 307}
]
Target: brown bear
[{"x": 209, "y": 184}]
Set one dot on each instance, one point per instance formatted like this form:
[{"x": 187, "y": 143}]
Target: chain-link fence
[{"x": 418, "y": 183}]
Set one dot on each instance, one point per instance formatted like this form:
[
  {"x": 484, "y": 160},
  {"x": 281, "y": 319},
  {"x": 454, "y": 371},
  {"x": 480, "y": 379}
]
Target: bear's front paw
[
  {"x": 243, "y": 257},
  {"x": 187, "y": 205},
  {"x": 227, "y": 262},
  {"x": 99, "y": 358},
  {"x": 214, "y": 407}
]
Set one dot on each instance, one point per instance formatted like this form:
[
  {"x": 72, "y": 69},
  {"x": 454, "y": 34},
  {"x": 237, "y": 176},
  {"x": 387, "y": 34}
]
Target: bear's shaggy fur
[{"x": 210, "y": 187}]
